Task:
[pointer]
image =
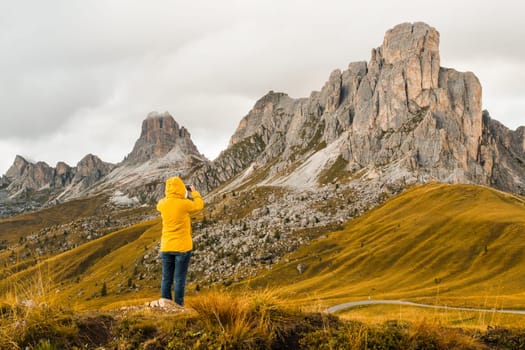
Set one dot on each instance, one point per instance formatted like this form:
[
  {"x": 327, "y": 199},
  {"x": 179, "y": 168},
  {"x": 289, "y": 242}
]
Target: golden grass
[
  {"x": 86, "y": 267},
  {"x": 30, "y": 313},
  {"x": 457, "y": 244},
  {"x": 12, "y": 228},
  {"x": 379, "y": 314},
  {"x": 244, "y": 318}
]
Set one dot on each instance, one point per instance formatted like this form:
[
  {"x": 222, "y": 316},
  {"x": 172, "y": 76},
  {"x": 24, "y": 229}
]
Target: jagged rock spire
[{"x": 160, "y": 134}]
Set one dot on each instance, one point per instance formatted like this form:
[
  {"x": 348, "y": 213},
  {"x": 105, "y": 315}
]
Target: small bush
[
  {"x": 503, "y": 338},
  {"x": 135, "y": 332}
]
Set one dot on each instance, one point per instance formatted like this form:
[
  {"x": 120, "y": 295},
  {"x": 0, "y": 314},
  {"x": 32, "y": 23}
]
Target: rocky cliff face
[
  {"x": 400, "y": 116},
  {"x": 160, "y": 134},
  {"x": 4, "y": 182},
  {"x": 26, "y": 176},
  {"x": 33, "y": 176},
  {"x": 502, "y": 154}
]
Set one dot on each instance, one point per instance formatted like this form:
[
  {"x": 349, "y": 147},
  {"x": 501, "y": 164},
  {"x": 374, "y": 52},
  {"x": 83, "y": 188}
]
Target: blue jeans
[{"x": 174, "y": 266}]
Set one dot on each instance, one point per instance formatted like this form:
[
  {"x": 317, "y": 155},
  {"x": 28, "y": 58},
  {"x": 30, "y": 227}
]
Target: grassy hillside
[
  {"x": 11, "y": 229},
  {"x": 76, "y": 277},
  {"x": 447, "y": 244},
  {"x": 437, "y": 243}
]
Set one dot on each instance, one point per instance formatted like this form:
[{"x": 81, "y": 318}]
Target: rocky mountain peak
[
  {"x": 260, "y": 114},
  {"x": 25, "y": 175},
  {"x": 89, "y": 170},
  {"x": 408, "y": 40},
  {"x": 157, "y": 126},
  {"x": 18, "y": 167},
  {"x": 403, "y": 77},
  {"x": 400, "y": 115},
  {"x": 160, "y": 134}
]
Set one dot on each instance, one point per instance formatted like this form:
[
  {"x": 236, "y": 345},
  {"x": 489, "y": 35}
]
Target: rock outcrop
[
  {"x": 400, "y": 116},
  {"x": 32, "y": 176},
  {"x": 161, "y": 134},
  {"x": 90, "y": 170},
  {"x": 4, "y": 182}
]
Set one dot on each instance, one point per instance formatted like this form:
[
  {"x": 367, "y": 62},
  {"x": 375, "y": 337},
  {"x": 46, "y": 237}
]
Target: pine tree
[{"x": 104, "y": 290}]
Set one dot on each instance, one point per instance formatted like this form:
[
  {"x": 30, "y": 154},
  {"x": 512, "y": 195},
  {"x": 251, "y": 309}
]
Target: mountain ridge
[
  {"x": 163, "y": 149},
  {"x": 396, "y": 120},
  {"x": 400, "y": 115}
]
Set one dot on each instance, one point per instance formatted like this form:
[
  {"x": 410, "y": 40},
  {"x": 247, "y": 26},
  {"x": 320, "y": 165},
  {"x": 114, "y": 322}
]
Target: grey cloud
[
  {"x": 64, "y": 58},
  {"x": 36, "y": 105}
]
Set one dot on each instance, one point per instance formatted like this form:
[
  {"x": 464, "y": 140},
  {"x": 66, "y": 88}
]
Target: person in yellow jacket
[{"x": 176, "y": 242}]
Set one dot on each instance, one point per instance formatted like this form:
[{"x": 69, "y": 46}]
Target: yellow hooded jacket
[{"x": 175, "y": 210}]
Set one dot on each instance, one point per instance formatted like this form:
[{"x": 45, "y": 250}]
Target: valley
[{"x": 428, "y": 242}]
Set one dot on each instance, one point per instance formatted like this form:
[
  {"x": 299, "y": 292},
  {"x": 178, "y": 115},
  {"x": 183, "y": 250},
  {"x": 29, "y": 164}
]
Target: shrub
[{"x": 503, "y": 338}]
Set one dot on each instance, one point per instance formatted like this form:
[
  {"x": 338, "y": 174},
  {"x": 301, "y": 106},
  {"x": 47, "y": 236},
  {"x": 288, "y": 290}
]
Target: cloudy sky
[{"x": 78, "y": 76}]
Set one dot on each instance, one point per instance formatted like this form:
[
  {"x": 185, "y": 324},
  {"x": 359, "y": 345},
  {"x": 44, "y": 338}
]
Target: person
[{"x": 176, "y": 241}]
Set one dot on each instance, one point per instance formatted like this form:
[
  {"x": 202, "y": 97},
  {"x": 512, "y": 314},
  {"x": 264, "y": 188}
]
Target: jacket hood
[{"x": 175, "y": 188}]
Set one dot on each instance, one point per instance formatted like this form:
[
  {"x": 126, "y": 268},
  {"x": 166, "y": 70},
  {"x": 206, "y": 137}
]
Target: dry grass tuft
[
  {"x": 424, "y": 334},
  {"x": 246, "y": 319},
  {"x": 30, "y": 316}
]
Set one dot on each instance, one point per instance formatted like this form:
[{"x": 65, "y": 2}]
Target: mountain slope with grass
[
  {"x": 13, "y": 228},
  {"x": 452, "y": 244},
  {"x": 76, "y": 277},
  {"x": 444, "y": 244},
  {"x": 436, "y": 243}
]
